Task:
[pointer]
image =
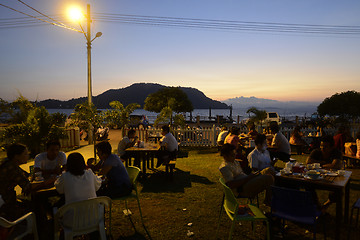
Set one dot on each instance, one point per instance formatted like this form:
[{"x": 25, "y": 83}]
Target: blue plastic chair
[{"x": 296, "y": 206}]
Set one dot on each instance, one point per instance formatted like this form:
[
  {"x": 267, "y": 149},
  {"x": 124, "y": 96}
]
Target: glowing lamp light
[{"x": 75, "y": 13}]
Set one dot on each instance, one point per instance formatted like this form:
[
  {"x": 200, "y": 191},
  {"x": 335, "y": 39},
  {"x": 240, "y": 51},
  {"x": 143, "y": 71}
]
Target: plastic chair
[
  {"x": 296, "y": 206},
  {"x": 231, "y": 207},
  {"x": 82, "y": 217},
  {"x": 133, "y": 175},
  {"x": 19, "y": 231}
]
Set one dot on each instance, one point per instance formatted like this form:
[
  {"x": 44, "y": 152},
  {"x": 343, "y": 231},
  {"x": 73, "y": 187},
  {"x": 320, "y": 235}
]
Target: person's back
[
  {"x": 77, "y": 183},
  {"x": 118, "y": 177}
]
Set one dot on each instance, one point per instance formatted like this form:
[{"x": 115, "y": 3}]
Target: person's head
[
  {"x": 235, "y": 130},
  {"x": 260, "y": 142},
  {"x": 165, "y": 130},
  {"x": 75, "y": 164},
  {"x": 17, "y": 152},
  {"x": 228, "y": 152},
  {"x": 131, "y": 133},
  {"x": 52, "y": 149},
  {"x": 327, "y": 144},
  {"x": 103, "y": 149},
  {"x": 274, "y": 127}
]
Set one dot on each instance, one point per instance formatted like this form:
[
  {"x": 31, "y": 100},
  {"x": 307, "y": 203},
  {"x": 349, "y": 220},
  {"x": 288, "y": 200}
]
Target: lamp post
[{"x": 76, "y": 14}]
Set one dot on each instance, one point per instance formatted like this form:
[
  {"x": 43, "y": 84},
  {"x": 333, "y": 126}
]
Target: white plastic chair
[
  {"x": 82, "y": 217},
  {"x": 19, "y": 230}
]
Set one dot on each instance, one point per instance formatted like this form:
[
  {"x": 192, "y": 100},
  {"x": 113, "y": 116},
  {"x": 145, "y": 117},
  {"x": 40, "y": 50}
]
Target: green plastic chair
[
  {"x": 231, "y": 207},
  {"x": 133, "y": 175}
]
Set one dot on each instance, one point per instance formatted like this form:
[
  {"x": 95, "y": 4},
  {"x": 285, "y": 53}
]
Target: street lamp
[{"x": 76, "y": 14}]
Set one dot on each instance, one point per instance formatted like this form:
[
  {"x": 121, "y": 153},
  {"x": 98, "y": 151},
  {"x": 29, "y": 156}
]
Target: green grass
[{"x": 194, "y": 197}]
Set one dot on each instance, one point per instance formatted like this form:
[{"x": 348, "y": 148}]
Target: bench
[
  {"x": 169, "y": 167},
  {"x": 351, "y": 160}
]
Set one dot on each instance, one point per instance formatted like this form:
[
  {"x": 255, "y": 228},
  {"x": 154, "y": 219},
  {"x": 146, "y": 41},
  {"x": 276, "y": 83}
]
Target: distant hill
[
  {"x": 274, "y": 105},
  {"x": 135, "y": 93}
]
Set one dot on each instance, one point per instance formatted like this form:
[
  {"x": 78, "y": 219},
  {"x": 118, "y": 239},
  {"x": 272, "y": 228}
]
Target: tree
[
  {"x": 259, "y": 115},
  {"x": 87, "y": 117},
  {"x": 155, "y": 102},
  {"x": 344, "y": 105},
  {"x": 32, "y": 126},
  {"x": 166, "y": 101},
  {"x": 119, "y": 116}
]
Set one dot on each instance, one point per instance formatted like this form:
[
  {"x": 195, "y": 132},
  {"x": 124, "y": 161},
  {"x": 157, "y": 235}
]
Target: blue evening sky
[{"x": 46, "y": 61}]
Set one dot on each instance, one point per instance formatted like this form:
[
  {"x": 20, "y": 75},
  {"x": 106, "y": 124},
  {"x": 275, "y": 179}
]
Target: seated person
[
  {"x": 51, "y": 162},
  {"x": 127, "y": 142},
  {"x": 252, "y": 131},
  {"x": 77, "y": 183},
  {"x": 280, "y": 145},
  {"x": 259, "y": 159},
  {"x": 110, "y": 165},
  {"x": 169, "y": 146},
  {"x": 233, "y": 137},
  {"x": 296, "y": 139},
  {"x": 12, "y": 175},
  {"x": 327, "y": 155},
  {"x": 222, "y": 135},
  {"x": 246, "y": 185}
]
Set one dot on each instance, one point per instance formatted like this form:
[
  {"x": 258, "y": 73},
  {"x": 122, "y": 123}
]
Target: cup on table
[
  {"x": 317, "y": 165},
  {"x": 341, "y": 172}
]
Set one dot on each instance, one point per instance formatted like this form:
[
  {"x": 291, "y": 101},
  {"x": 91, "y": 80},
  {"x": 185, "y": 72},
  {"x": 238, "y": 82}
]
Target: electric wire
[
  {"x": 195, "y": 23},
  {"x": 43, "y": 20},
  {"x": 226, "y": 25},
  {"x": 42, "y": 13}
]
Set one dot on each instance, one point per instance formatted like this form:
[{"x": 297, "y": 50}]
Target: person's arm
[
  {"x": 105, "y": 169},
  {"x": 132, "y": 143},
  {"x": 335, "y": 164}
]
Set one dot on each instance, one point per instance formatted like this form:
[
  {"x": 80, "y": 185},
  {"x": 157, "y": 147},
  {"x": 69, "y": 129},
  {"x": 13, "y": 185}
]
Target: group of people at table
[
  {"x": 258, "y": 172},
  {"x": 71, "y": 176}
]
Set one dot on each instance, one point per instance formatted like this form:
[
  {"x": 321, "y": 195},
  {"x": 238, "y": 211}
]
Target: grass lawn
[{"x": 194, "y": 197}]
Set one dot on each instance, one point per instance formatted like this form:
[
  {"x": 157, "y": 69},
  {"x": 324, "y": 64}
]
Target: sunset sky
[{"x": 46, "y": 61}]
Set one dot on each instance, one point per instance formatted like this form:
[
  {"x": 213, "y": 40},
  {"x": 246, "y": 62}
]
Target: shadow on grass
[
  {"x": 159, "y": 181},
  {"x": 136, "y": 236}
]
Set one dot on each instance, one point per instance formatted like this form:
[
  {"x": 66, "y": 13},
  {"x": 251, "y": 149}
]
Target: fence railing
[
  {"x": 208, "y": 136},
  {"x": 193, "y": 136}
]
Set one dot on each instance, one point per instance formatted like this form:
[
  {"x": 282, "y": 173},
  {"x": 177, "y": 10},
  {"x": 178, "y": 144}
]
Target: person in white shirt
[
  {"x": 259, "y": 159},
  {"x": 222, "y": 135},
  {"x": 280, "y": 145},
  {"x": 169, "y": 147},
  {"x": 51, "y": 162},
  {"x": 77, "y": 183},
  {"x": 234, "y": 177}
]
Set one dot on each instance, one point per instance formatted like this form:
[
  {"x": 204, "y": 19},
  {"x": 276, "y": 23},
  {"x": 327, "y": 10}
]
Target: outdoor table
[
  {"x": 339, "y": 185},
  {"x": 144, "y": 154}
]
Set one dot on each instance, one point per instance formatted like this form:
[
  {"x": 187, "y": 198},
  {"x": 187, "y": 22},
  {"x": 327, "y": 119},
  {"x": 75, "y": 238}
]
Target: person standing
[{"x": 51, "y": 162}]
